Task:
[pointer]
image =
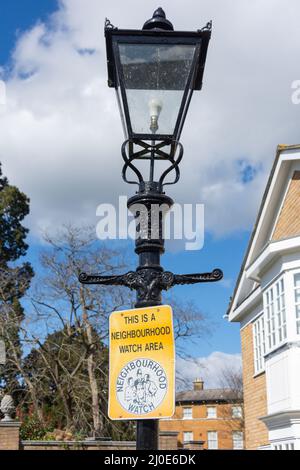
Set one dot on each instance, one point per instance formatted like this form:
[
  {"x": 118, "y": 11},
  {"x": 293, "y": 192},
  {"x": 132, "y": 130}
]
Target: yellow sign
[{"x": 141, "y": 364}]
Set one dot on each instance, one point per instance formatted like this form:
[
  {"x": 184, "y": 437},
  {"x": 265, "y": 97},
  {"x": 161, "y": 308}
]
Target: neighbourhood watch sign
[{"x": 142, "y": 363}]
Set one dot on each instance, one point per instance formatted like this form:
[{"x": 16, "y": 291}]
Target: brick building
[
  {"x": 210, "y": 417},
  {"x": 266, "y": 302}
]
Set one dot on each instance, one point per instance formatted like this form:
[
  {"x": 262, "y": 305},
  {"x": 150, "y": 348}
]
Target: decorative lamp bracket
[{"x": 149, "y": 282}]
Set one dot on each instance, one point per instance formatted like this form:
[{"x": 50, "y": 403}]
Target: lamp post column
[
  {"x": 151, "y": 66},
  {"x": 149, "y": 205}
]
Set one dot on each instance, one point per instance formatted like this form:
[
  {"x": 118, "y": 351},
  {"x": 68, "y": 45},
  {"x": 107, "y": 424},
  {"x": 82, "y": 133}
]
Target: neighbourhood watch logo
[{"x": 141, "y": 386}]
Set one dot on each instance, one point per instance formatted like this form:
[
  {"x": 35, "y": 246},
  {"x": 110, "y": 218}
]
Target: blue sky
[
  {"x": 20, "y": 15},
  {"x": 211, "y": 299},
  {"x": 17, "y": 16},
  {"x": 61, "y": 133}
]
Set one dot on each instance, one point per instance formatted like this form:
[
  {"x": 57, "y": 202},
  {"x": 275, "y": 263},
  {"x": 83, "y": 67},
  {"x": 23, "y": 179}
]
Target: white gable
[{"x": 286, "y": 162}]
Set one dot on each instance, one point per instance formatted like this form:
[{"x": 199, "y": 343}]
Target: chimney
[{"x": 198, "y": 384}]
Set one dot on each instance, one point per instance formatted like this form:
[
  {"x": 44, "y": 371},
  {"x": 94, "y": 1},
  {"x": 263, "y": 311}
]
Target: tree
[
  {"x": 79, "y": 314},
  {"x": 69, "y": 329},
  {"x": 14, "y": 280},
  {"x": 58, "y": 368},
  {"x": 231, "y": 379}
]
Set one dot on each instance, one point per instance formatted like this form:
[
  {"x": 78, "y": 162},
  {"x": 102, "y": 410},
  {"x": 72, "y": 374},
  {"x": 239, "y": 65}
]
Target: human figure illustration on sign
[
  {"x": 130, "y": 391},
  {"x": 139, "y": 378},
  {"x": 141, "y": 390},
  {"x": 150, "y": 387}
]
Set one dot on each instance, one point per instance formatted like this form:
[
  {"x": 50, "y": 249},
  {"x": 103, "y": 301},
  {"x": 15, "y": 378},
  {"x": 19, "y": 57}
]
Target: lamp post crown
[{"x": 159, "y": 21}]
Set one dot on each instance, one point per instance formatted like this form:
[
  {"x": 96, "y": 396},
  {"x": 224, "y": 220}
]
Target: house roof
[
  {"x": 234, "y": 302},
  {"x": 209, "y": 395}
]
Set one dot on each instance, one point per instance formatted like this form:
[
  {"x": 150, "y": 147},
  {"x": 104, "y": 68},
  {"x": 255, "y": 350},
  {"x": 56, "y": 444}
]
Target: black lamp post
[{"x": 154, "y": 71}]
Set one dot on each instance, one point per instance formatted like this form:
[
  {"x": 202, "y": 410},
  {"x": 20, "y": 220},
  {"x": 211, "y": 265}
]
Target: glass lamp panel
[
  {"x": 155, "y": 78},
  {"x": 121, "y": 110}
]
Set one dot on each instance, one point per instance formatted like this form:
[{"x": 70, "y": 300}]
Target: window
[
  {"x": 286, "y": 446},
  {"x": 289, "y": 446},
  {"x": 212, "y": 440},
  {"x": 297, "y": 301},
  {"x": 259, "y": 344},
  {"x": 237, "y": 412},
  {"x": 188, "y": 436},
  {"x": 187, "y": 413},
  {"x": 275, "y": 314},
  {"x": 211, "y": 412},
  {"x": 238, "y": 440}
]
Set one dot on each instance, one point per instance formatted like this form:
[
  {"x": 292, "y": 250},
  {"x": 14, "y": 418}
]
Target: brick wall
[
  {"x": 81, "y": 445},
  {"x": 288, "y": 224},
  {"x": 200, "y": 424},
  {"x": 168, "y": 440},
  {"x": 9, "y": 440},
  {"x": 194, "y": 445},
  {"x": 255, "y": 400}
]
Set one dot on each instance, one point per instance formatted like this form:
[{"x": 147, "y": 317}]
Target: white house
[{"x": 266, "y": 303}]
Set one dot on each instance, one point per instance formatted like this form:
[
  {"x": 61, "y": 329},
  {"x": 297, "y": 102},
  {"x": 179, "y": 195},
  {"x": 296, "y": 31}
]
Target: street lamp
[{"x": 154, "y": 71}]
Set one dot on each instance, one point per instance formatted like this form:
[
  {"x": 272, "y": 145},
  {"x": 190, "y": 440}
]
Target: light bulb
[{"x": 155, "y": 107}]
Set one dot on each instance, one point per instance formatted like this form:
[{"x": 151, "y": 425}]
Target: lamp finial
[{"x": 159, "y": 21}]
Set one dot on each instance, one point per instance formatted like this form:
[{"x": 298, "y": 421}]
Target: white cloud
[
  {"x": 208, "y": 368},
  {"x": 60, "y": 135}
]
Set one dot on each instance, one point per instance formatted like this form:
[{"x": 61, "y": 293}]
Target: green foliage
[
  {"x": 14, "y": 281},
  {"x": 33, "y": 430},
  {"x": 62, "y": 392},
  {"x": 14, "y": 206},
  {"x": 51, "y": 368}
]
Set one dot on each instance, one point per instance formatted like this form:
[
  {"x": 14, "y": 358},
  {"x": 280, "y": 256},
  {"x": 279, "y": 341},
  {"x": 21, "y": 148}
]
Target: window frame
[
  {"x": 211, "y": 408},
  {"x": 240, "y": 414},
  {"x": 274, "y": 300},
  {"x": 214, "y": 440},
  {"x": 259, "y": 343},
  {"x": 296, "y": 303},
  {"x": 184, "y": 408},
  {"x": 241, "y": 441},
  {"x": 187, "y": 440}
]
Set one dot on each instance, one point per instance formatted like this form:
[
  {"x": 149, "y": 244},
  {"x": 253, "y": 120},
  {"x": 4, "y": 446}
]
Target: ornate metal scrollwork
[
  {"x": 150, "y": 282},
  {"x": 207, "y": 27},
  {"x": 147, "y": 282},
  {"x": 214, "y": 276},
  {"x": 109, "y": 25},
  {"x": 153, "y": 152}
]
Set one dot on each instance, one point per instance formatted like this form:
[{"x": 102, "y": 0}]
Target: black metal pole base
[{"x": 147, "y": 434}]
